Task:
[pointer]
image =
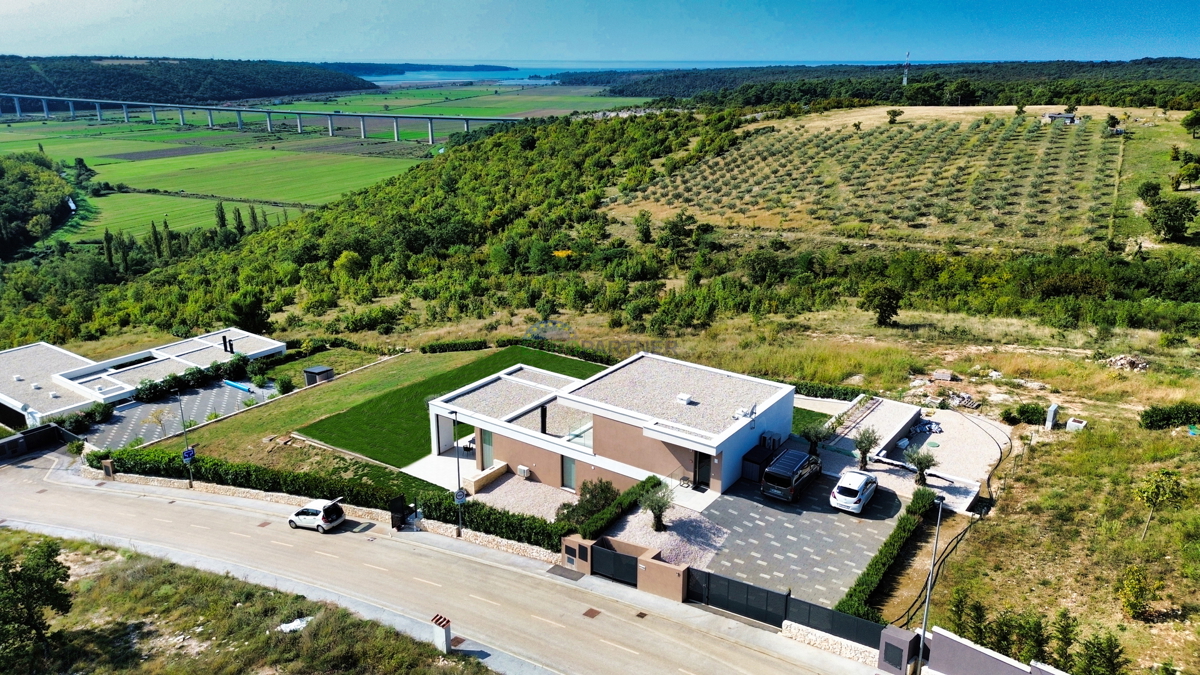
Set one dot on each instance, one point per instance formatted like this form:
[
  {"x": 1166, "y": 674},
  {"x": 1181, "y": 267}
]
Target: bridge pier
[
  {"x": 362, "y": 127},
  {"x": 299, "y": 123},
  {"x": 269, "y": 127},
  {"x": 182, "y": 120},
  {"x": 153, "y": 115},
  {"x": 124, "y": 109},
  {"x": 17, "y": 104},
  {"x": 210, "y": 122},
  {"x": 467, "y": 126},
  {"x": 45, "y": 109},
  {"x": 396, "y": 129},
  {"x": 329, "y": 120},
  {"x": 239, "y": 116},
  {"x": 71, "y": 105},
  {"x": 99, "y": 114},
  {"x": 430, "y": 131}
]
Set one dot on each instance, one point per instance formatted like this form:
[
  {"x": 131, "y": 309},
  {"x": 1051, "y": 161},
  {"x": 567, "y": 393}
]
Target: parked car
[
  {"x": 321, "y": 515},
  {"x": 853, "y": 490},
  {"x": 788, "y": 473}
]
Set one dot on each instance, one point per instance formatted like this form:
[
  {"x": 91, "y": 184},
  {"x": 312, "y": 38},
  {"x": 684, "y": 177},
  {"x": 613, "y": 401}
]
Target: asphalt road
[{"x": 526, "y": 613}]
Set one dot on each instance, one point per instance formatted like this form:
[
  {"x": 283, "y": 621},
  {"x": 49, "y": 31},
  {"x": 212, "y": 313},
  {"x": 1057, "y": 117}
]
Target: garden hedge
[
  {"x": 1170, "y": 416},
  {"x": 454, "y": 346},
  {"x": 597, "y": 524},
  {"x": 819, "y": 390},
  {"x": 80, "y": 422},
  {"x": 169, "y": 464},
  {"x": 856, "y": 600},
  {"x": 481, "y": 517},
  {"x": 564, "y": 348}
]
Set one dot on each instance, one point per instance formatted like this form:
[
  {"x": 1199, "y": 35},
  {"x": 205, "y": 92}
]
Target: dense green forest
[
  {"x": 33, "y": 199},
  {"x": 1166, "y": 82},
  {"x": 194, "y": 81},
  {"x": 361, "y": 69},
  {"x": 509, "y": 219}
]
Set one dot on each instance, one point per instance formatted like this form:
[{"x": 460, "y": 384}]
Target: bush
[
  {"x": 169, "y": 464},
  {"x": 81, "y": 422},
  {"x": 597, "y": 524},
  {"x": 857, "y": 600},
  {"x": 564, "y": 348},
  {"x": 820, "y": 390},
  {"x": 259, "y": 381},
  {"x": 487, "y": 519},
  {"x": 594, "y": 497},
  {"x": 1170, "y": 416},
  {"x": 454, "y": 346},
  {"x": 284, "y": 384},
  {"x": 1029, "y": 413}
]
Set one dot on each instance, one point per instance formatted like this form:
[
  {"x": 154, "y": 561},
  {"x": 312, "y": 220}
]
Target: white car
[
  {"x": 321, "y": 515},
  {"x": 853, "y": 490}
]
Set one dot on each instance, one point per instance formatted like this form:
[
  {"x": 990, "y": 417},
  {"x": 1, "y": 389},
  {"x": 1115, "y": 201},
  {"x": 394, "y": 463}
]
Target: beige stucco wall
[
  {"x": 661, "y": 578},
  {"x": 545, "y": 466},
  {"x": 626, "y": 444}
]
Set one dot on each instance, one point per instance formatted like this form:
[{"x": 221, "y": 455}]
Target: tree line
[{"x": 33, "y": 200}]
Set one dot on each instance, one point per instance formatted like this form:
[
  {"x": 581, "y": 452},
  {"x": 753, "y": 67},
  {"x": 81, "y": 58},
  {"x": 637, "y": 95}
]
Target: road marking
[
  {"x": 374, "y": 567},
  {"x": 613, "y": 644},
  {"x": 685, "y": 672},
  {"x": 328, "y": 555},
  {"x": 547, "y": 621},
  {"x": 162, "y": 521},
  {"x": 427, "y": 582},
  {"x": 486, "y": 600},
  {"x": 281, "y": 543},
  {"x": 201, "y": 527},
  {"x": 239, "y": 534}
]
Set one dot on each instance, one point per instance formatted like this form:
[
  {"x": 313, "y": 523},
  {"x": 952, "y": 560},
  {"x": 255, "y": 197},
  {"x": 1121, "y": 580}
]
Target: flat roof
[
  {"x": 648, "y": 386},
  {"x": 499, "y": 398},
  {"x": 34, "y": 364}
]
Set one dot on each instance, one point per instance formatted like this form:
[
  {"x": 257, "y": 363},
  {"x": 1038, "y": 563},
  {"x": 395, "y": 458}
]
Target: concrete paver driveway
[{"x": 809, "y": 547}]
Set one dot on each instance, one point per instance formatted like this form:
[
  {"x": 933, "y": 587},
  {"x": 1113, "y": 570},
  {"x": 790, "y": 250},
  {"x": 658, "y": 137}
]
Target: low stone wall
[
  {"x": 356, "y": 512},
  {"x": 830, "y": 643},
  {"x": 492, "y": 541}
]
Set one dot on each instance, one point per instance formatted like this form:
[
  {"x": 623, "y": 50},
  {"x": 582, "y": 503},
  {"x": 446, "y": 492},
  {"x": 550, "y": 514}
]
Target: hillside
[
  {"x": 362, "y": 69},
  {"x": 194, "y": 81},
  {"x": 33, "y": 199}
]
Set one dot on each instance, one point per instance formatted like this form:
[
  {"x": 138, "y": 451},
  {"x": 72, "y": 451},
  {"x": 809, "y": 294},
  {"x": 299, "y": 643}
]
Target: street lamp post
[
  {"x": 457, "y": 471},
  {"x": 186, "y": 446},
  {"x": 929, "y": 582}
]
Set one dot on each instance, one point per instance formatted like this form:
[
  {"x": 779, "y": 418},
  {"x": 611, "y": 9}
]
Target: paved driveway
[
  {"x": 809, "y": 547},
  {"x": 128, "y": 422}
]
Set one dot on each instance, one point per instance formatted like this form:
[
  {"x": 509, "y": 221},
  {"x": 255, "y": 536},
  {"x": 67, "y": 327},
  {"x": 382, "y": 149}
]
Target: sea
[{"x": 526, "y": 69}]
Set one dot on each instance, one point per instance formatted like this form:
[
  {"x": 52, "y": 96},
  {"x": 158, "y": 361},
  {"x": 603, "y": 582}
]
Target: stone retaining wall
[
  {"x": 830, "y": 643},
  {"x": 356, "y": 512}
]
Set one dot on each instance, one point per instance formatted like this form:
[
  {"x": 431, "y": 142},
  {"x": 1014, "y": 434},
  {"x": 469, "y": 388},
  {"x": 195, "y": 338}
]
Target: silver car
[
  {"x": 321, "y": 515},
  {"x": 853, "y": 490}
]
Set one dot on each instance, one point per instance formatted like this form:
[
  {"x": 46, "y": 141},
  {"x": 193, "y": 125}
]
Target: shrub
[
  {"x": 260, "y": 381},
  {"x": 169, "y": 464},
  {"x": 487, "y": 519},
  {"x": 454, "y": 346},
  {"x": 594, "y": 497},
  {"x": 81, "y": 422},
  {"x": 821, "y": 390},
  {"x": 75, "y": 447},
  {"x": 564, "y": 348},
  {"x": 597, "y": 524},
  {"x": 1169, "y": 416},
  {"x": 284, "y": 384},
  {"x": 1029, "y": 413}
]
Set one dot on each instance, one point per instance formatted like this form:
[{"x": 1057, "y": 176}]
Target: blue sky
[{"x": 496, "y": 31}]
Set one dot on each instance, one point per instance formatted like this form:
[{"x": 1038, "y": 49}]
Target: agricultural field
[
  {"x": 538, "y": 101},
  {"x": 965, "y": 175},
  {"x": 132, "y": 213}
]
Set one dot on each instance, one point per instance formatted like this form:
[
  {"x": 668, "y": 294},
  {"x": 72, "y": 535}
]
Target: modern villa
[{"x": 647, "y": 415}]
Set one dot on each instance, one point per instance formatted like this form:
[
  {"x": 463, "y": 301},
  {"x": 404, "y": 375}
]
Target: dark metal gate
[
  {"x": 613, "y": 565},
  {"x": 772, "y": 607}
]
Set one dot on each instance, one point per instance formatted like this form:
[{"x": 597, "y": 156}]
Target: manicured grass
[
  {"x": 802, "y": 418},
  {"x": 342, "y": 360},
  {"x": 132, "y": 213},
  {"x": 136, "y": 614},
  {"x": 394, "y": 427},
  {"x": 5, "y": 432},
  {"x": 66, "y": 149}
]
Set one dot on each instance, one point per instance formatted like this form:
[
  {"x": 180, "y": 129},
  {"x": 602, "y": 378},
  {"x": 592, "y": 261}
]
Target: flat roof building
[{"x": 40, "y": 380}]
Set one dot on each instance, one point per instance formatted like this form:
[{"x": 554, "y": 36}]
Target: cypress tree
[
  {"x": 253, "y": 219},
  {"x": 155, "y": 239},
  {"x": 108, "y": 244},
  {"x": 166, "y": 240},
  {"x": 237, "y": 222},
  {"x": 220, "y": 213},
  {"x": 124, "y": 248}
]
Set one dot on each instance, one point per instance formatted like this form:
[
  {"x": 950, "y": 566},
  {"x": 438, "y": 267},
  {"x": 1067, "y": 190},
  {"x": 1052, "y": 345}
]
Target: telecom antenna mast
[{"x": 905, "y": 83}]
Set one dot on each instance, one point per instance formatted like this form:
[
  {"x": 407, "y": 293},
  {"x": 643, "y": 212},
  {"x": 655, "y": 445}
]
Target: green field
[
  {"x": 394, "y": 427},
  {"x": 465, "y": 101},
  {"x": 132, "y": 213}
]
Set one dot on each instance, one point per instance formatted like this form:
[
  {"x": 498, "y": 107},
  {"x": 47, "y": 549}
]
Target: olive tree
[
  {"x": 1161, "y": 489},
  {"x": 657, "y": 500},
  {"x": 1169, "y": 218},
  {"x": 922, "y": 462},
  {"x": 866, "y": 441},
  {"x": 1191, "y": 122},
  {"x": 894, "y": 115}
]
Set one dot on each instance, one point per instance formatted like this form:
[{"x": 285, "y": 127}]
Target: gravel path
[
  {"x": 512, "y": 493},
  {"x": 690, "y": 539}
]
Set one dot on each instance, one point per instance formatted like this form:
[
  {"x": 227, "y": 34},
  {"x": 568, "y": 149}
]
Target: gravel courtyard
[
  {"x": 690, "y": 539},
  {"x": 513, "y": 493}
]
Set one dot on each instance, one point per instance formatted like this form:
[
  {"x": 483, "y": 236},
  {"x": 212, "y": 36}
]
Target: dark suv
[{"x": 789, "y": 473}]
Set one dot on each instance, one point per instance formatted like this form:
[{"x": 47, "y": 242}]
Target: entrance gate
[{"x": 613, "y": 565}]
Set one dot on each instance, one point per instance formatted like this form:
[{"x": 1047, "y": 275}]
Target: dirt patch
[
  {"x": 90, "y": 564},
  {"x": 180, "y": 151}
]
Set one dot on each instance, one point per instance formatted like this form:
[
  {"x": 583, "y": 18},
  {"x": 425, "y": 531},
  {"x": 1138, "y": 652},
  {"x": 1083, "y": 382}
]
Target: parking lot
[
  {"x": 808, "y": 547},
  {"x": 129, "y": 421}
]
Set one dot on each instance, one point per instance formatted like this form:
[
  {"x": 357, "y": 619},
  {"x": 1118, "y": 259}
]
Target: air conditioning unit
[
  {"x": 522, "y": 471},
  {"x": 36, "y": 386},
  {"x": 54, "y": 394},
  {"x": 17, "y": 378},
  {"x": 684, "y": 399}
]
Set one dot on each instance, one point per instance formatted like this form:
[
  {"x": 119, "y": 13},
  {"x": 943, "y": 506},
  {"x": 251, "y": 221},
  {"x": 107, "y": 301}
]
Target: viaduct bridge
[{"x": 154, "y": 108}]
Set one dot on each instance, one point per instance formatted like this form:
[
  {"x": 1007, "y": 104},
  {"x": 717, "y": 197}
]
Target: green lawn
[
  {"x": 342, "y": 360},
  {"x": 132, "y": 213},
  {"x": 802, "y": 418},
  {"x": 394, "y": 427}
]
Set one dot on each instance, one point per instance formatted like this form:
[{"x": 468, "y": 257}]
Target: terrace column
[
  {"x": 210, "y": 122},
  {"x": 124, "y": 109},
  {"x": 45, "y": 109},
  {"x": 362, "y": 127},
  {"x": 99, "y": 113},
  {"x": 182, "y": 121},
  {"x": 153, "y": 115},
  {"x": 269, "y": 127},
  {"x": 430, "y": 131},
  {"x": 17, "y": 104},
  {"x": 329, "y": 120},
  {"x": 396, "y": 128},
  {"x": 299, "y": 123},
  {"x": 71, "y": 105},
  {"x": 239, "y": 116}
]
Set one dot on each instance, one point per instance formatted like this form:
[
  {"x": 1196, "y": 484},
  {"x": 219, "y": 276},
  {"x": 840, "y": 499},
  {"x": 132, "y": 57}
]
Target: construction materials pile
[{"x": 1127, "y": 362}]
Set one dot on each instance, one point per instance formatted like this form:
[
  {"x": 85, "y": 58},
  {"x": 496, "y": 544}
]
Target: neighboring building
[
  {"x": 646, "y": 415},
  {"x": 40, "y": 380},
  {"x": 1067, "y": 118}
]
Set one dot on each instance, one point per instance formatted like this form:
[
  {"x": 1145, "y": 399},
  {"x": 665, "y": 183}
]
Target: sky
[{"x": 500, "y": 31}]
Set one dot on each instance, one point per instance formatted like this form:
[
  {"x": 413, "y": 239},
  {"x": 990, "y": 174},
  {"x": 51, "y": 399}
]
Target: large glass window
[
  {"x": 485, "y": 445},
  {"x": 568, "y": 472}
]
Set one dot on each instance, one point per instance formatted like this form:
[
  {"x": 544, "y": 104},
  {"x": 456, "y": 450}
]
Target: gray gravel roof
[
  {"x": 539, "y": 377},
  {"x": 498, "y": 398},
  {"x": 649, "y": 386},
  {"x": 35, "y": 364}
]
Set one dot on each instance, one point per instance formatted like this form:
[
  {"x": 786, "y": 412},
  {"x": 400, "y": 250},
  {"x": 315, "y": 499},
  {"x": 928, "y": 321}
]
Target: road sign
[
  {"x": 460, "y": 496},
  {"x": 188, "y": 455}
]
